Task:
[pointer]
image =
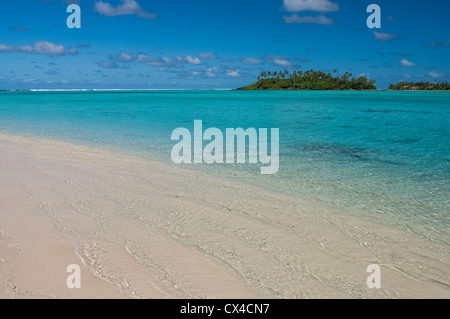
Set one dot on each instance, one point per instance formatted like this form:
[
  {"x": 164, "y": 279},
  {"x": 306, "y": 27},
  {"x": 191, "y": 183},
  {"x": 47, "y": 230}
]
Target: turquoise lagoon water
[{"x": 382, "y": 155}]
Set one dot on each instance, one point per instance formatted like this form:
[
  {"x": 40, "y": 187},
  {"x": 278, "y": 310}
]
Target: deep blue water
[{"x": 380, "y": 154}]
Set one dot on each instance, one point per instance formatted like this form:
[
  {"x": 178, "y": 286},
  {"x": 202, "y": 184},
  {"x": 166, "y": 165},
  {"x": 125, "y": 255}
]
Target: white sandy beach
[{"x": 142, "y": 229}]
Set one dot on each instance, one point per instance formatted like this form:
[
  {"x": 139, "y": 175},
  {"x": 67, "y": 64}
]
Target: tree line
[
  {"x": 318, "y": 80},
  {"x": 423, "y": 86},
  {"x": 310, "y": 80}
]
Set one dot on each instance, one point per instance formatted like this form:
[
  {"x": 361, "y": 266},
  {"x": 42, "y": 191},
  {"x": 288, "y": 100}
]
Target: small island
[
  {"x": 309, "y": 80},
  {"x": 420, "y": 86}
]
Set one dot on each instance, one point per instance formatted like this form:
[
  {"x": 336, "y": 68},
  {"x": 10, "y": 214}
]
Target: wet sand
[{"x": 142, "y": 229}]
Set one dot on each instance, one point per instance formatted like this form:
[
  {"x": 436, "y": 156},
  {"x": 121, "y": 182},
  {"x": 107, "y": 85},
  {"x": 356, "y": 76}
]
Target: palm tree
[{"x": 293, "y": 77}]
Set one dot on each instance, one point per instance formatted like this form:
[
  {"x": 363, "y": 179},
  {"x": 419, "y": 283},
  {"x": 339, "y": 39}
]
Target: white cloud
[
  {"x": 281, "y": 62},
  {"x": 12, "y": 49},
  {"x": 191, "y": 60},
  {"x": 252, "y": 61},
  {"x": 195, "y": 73},
  {"x": 384, "y": 37},
  {"x": 128, "y": 7},
  {"x": 211, "y": 72},
  {"x": 29, "y": 81},
  {"x": 286, "y": 62},
  {"x": 310, "y": 5},
  {"x": 158, "y": 61},
  {"x": 233, "y": 73},
  {"x": 123, "y": 57},
  {"x": 435, "y": 74},
  {"x": 142, "y": 58},
  {"x": 53, "y": 82},
  {"x": 40, "y": 47},
  {"x": 45, "y": 47},
  {"x": 164, "y": 61},
  {"x": 320, "y": 19},
  {"x": 405, "y": 62},
  {"x": 207, "y": 55}
]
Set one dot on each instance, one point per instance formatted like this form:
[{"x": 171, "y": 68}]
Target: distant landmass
[
  {"x": 317, "y": 80},
  {"x": 420, "y": 86},
  {"x": 309, "y": 80}
]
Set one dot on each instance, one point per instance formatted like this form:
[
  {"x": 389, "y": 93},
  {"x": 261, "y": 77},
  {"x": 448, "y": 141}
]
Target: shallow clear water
[{"x": 384, "y": 155}]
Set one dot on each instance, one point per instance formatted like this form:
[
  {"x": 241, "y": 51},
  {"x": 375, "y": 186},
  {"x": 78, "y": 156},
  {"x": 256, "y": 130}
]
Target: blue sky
[{"x": 199, "y": 44}]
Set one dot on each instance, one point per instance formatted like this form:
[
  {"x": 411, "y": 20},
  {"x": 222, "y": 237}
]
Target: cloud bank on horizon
[
  {"x": 203, "y": 44},
  {"x": 40, "y": 47}
]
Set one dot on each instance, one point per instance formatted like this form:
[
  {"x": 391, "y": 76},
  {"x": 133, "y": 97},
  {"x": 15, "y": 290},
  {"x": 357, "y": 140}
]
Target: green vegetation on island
[
  {"x": 309, "y": 80},
  {"x": 420, "y": 86}
]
